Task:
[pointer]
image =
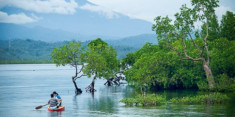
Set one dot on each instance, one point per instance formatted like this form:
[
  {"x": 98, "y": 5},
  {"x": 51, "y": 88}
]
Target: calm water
[{"x": 23, "y": 87}]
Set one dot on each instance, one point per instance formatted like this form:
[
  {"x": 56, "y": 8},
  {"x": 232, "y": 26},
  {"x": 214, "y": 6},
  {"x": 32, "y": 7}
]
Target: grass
[
  {"x": 145, "y": 100},
  {"x": 213, "y": 98}
]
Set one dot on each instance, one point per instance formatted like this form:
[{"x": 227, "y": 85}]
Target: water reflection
[
  {"x": 103, "y": 104},
  {"x": 55, "y": 114},
  {"x": 28, "y": 84},
  {"x": 75, "y": 102}
]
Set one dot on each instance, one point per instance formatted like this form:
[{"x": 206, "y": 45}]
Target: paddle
[{"x": 38, "y": 107}]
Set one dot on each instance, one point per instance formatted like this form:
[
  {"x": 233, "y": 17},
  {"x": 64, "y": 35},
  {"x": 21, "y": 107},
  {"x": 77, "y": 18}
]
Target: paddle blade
[{"x": 38, "y": 107}]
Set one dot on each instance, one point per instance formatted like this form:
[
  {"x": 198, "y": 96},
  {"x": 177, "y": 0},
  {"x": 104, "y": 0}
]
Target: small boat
[{"x": 61, "y": 108}]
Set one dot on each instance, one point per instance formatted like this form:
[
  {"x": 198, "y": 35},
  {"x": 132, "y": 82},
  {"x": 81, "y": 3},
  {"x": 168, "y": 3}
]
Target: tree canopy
[
  {"x": 101, "y": 59},
  {"x": 71, "y": 54},
  {"x": 228, "y": 26},
  {"x": 185, "y": 56}
]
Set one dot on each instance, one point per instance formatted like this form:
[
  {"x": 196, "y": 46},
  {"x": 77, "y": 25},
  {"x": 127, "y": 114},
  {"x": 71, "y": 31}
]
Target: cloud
[
  {"x": 101, "y": 10},
  {"x": 142, "y": 9},
  {"x": 43, "y": 6},
  {"x": 220, "y": 11},
  {"x": 145, "y": 9},
  {"x": 20, "y": 18}
]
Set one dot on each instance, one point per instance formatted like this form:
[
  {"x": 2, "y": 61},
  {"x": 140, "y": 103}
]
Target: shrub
[
  {"x": 213, "y": 98},
  {"x": 145, "y": 100}
]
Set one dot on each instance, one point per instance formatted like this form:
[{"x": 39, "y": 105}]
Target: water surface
[{"x": 25, "y": 86}]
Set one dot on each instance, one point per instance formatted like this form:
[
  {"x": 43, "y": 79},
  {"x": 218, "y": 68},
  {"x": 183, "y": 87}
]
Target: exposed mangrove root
[
  {"x": 91, "y": 87},
  {"x": 78, "y": 91},
  {"x": 114, "y": 81}
]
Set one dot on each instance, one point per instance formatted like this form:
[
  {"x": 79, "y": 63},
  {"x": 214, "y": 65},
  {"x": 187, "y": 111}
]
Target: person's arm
[{"x": 58, "y": 103}]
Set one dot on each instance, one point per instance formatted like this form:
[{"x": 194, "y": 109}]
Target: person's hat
[{"x": 55, "y": 92}]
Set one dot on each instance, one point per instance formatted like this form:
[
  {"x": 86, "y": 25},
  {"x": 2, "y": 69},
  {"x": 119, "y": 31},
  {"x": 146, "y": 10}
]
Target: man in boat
[
  {"x": 53, "y": 102},
  {"x": 57, "y": 96}
]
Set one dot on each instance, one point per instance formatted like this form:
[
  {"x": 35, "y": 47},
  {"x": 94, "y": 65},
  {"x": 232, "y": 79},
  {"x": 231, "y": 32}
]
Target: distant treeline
[
  {"x": 25, "y": 61},
  {"x": 31, "y": 51}
]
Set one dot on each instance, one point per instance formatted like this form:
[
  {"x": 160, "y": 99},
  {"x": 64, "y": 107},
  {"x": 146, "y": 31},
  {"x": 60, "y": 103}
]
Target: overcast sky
[
  {"x": 137, "y": 9},
  {"x": 45, "y": 13}
]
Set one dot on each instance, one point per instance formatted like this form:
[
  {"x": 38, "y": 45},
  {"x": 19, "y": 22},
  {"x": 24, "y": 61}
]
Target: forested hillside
[
  {"x": 19, "y": 50},
  {"x": 26, "y": 49}
]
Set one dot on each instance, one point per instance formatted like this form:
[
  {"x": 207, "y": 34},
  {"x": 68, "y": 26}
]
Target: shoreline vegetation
[
  {"x": 212, "y": 98},
  {"x": 156, "y": 100},
  {"x": 145, "y": 100},
  {"x": 26, "y": 62}
]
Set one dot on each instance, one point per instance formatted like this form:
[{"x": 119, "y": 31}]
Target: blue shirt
[{"x": 58, "y": 97}]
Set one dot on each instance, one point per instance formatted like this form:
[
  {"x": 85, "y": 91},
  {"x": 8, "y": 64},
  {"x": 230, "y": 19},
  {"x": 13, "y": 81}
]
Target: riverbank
[{"x": 25, "y": 62}]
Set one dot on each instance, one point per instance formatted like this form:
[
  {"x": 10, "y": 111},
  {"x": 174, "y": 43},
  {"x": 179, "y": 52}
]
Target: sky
[{"x": 98, "y": 17}]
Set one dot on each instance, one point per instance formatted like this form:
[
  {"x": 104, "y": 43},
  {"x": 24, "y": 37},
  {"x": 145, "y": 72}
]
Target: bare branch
[
  {"x": 194, "y": 59},
  {"x": 79, "y": 76},
  {"x": 186, "y": 54},
  {"x": 81, "y": 69},
  {"x": 205, "y": 38}
]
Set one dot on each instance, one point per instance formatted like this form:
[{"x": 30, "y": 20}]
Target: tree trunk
[
  {"x": 91, "y": 87},
  {"x": 77, "y": 90},
  {"x": 209, "y": 75}
]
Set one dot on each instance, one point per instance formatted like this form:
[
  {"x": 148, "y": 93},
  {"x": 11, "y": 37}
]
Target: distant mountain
[
  {"x": 12, "y": 31},
  {"x": 134, "y": 41},
  {"x": 20, "y": 42}
]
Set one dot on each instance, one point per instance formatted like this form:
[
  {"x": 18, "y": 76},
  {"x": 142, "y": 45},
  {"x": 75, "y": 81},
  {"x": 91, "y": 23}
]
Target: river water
[{"x": 25, "y": 86}]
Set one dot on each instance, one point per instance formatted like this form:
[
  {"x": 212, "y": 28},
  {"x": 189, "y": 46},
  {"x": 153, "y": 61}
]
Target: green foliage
[
  {"x": 183, "y": 32},
  {"x": 26, "y": 51},
  {"x": 70, "y": 53},
  {"x": 101, "y": 60},
  {"x": 203, "y": 85},
  {"x": 161, "y": 66},
  {"x": 131, "y": 58},
  {"x": 212, "y": 98},
  {"x": 157, "y": 67},
  {"x": 224, "y": 83},
  {"x": 228, "y": 26},
  {"x": 222, "y": 57},
  {"x": 145, "y": 100}
]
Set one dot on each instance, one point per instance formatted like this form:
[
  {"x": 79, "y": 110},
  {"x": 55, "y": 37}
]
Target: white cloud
[
  {"x": 101, "y": 10},
  {"x": 220, "y": 11},
  {"x": 20, "y": 18},
  {"x": 145, "y": 9},
  {"x": 142, "y": 9},
  {"x": 43, "y": 6}
]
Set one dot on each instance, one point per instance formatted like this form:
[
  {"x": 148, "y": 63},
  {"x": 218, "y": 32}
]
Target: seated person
[
  {"x": 57, "y": 96},
  {"x": 53, "y": 102}
]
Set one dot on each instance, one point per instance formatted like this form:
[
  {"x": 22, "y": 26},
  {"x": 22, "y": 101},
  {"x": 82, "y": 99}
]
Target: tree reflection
[{"x": 103, "y": 103}]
